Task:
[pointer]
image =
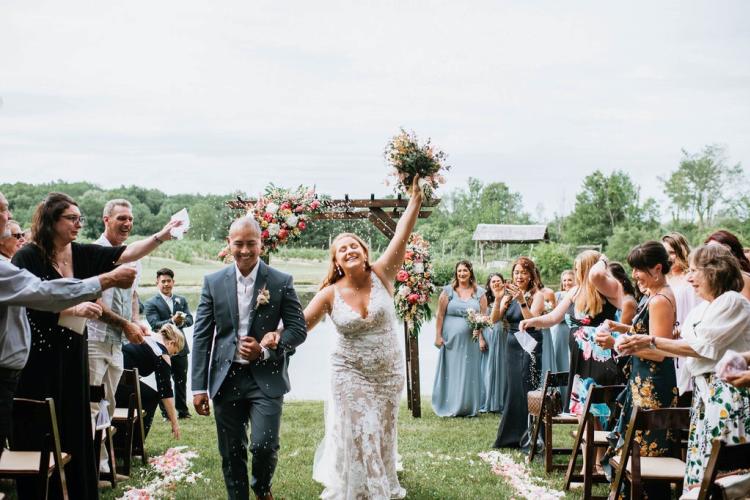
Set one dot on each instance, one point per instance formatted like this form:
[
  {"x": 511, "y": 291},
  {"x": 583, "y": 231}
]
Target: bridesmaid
[
  {"x": 457, "y": 388},
  {"x": 492, "y": 359},
  {"x": 522, "y": 371},
  {"x": 549, "y": 361}
]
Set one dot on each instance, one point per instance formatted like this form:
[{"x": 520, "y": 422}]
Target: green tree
[
  {"x": 604, "y": 203},
  {"x": 701, "y": 183},
  {"x": 203, "y": 221}
]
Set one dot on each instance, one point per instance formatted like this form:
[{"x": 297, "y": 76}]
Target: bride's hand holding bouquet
[{"x": 414, "y": 163}]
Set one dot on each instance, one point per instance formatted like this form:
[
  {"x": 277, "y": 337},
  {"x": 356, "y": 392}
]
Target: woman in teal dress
[
  {"x": 651, "y": 376},
  {"x": 457, "y": 391},
  {"x": 560, "y": 332},
  {"x": 549, "y": 359},
  {"x": 493, "y": 371}
]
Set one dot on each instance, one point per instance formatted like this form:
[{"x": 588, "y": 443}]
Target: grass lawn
[{"x": 439, "y": 456}]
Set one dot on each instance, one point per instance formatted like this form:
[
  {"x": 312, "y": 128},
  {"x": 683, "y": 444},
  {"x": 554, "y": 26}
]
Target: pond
[{"x": 309, "y": 367}]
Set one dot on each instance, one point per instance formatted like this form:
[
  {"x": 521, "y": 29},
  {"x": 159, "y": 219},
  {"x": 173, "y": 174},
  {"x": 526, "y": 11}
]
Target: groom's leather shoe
[{"x": 267, "y": 496}]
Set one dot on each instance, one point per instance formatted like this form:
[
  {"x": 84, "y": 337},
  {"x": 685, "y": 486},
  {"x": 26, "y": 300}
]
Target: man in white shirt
[
  {"x": 120, "y": 312},
  {"x": 12, "y": 242}
]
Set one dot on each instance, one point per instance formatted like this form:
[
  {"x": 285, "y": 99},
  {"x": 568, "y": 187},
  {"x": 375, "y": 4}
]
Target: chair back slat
[
  {"x": 724, "y": 458},
  {"x": 557, "y": 379}
]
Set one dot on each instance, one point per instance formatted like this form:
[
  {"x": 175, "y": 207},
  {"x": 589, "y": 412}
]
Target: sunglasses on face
[
  {"x": 18, "y": 236},
  {"x": 81, "y": 219}
]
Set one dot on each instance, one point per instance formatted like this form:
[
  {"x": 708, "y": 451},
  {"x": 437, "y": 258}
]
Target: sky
[{"x": 211, "y": 97}]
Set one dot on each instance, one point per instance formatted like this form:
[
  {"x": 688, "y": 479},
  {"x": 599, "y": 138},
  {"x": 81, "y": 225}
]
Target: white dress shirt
[
  {"x": 168, "y": 300},
  {"x": 245, "y": 289}
]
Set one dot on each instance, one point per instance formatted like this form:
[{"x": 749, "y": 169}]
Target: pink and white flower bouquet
[
  {"x": 414, "y": 285},
  {"x": 477, "y": 322},
  {"x": 408, "y": 159}
]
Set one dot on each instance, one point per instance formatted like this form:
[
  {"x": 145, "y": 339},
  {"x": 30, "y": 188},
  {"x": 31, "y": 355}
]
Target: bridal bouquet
[
  {"x": 414, "y": 284},
  {"x": 477, "y": 322},
  {"x": 283, "y": 214},
  {"x": 409, "y": 159}
]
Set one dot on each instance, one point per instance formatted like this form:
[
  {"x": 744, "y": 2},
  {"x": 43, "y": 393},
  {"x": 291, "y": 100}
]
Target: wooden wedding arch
[{"x": 383, "y": 213}]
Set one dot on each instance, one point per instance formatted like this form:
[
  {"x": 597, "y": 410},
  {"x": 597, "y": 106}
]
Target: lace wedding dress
[{"x": 358, "y": 457}]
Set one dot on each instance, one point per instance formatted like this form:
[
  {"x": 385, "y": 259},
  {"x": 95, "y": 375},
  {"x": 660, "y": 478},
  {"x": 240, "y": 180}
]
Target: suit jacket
[
  {"x": 216, "y": 331},
  {"x": 157, "y": 314}
]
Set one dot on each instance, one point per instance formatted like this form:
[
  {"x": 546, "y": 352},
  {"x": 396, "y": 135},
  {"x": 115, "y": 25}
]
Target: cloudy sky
[{"x": 189, "y": 96}]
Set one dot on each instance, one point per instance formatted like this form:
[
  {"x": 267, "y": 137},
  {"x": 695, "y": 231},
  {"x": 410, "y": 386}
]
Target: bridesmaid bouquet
[
  {"x": 414, "y": 285},
  {"x": 477, "y": 322},
  {"x": 408, "y": 159},
  {"x": 283, "y": 215}
]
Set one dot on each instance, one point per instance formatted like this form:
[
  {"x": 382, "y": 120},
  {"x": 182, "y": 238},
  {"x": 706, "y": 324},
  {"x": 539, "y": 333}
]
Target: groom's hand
[
  {"x": 249, "y": 348},
  {"x": 200, "y": 402},
  {"x": 271, "y": 340}
]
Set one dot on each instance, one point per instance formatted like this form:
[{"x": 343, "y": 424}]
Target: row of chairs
[
  {"x": 36, "y": 454},
  {"x": 629, "y": 465}
]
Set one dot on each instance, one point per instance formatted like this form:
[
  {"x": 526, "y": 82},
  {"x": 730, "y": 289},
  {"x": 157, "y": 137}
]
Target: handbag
[{"x": 535, "y": 400}]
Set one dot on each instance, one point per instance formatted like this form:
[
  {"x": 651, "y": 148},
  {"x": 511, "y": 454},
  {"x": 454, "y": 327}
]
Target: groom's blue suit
[{"x": 251, "y": 391}]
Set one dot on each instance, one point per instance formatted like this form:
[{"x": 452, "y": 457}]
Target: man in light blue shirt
[{"x": 20, "y": 289}]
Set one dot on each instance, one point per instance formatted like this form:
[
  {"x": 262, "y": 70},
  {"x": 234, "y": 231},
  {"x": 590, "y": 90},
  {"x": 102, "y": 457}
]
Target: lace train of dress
[{"x": 358, "y": 456}]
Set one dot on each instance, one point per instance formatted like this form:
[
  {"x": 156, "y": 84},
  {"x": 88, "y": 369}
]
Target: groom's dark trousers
[{"x": 238, "y": 401}]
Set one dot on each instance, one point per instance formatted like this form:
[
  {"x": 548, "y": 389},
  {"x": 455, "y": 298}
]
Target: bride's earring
[{"x": 339, "y": 271}]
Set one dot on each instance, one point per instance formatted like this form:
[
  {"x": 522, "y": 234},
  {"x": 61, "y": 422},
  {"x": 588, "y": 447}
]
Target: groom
[{"x": 245, "y": 379}]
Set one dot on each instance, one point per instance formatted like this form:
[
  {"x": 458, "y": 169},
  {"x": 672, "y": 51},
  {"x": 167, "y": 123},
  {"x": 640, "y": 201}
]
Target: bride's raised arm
[
  {"x": 389, "y": 263},
  {"x": 319, "y": 306}
]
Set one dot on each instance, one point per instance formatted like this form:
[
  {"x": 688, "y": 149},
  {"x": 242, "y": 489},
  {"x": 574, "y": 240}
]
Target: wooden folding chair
[
  {"x": 631, "y": 466},
  {"x": 588, "y": 438},
  {"x": 726, "y": 475},
  {"x": 104, "y": 432},
  {"x": 35, "y": 451},
  {"x": 129, "y": 423},
  {"x": 552, "y": 381}
]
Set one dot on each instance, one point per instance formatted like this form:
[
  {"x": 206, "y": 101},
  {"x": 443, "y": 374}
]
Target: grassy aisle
[{"x": 439, "y": 456}]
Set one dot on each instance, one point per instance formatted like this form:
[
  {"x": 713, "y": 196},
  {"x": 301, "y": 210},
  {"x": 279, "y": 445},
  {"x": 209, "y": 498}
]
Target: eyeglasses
[
  {"x": 75, "y": 218},
  {"x": 18, "y": 236}
]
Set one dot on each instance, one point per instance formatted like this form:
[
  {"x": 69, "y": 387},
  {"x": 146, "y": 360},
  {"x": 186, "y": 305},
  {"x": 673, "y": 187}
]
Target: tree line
[{"x": 704, "y": 192}]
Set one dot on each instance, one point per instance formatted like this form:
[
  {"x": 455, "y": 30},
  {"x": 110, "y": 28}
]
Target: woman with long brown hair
[
  {"x": 522, "y": 369},
  {"x": 358, "y": 455},
  {"x": 58, "y": 362},
  {"x": 457, "y": 389},
  {"x": 495, "y": 384}
]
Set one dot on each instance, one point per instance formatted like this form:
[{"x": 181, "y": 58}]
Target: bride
[{"x": 357, "y": 458}]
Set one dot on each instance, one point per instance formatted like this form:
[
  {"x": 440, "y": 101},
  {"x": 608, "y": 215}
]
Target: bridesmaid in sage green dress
[
  {"x": 457, "y": 388},
  {"x": 493, "y": 370}
]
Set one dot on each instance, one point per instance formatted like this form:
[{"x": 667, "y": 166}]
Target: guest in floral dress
[
  {"x": 715, "y": 326},
  {"x": 651, "y": 376}
]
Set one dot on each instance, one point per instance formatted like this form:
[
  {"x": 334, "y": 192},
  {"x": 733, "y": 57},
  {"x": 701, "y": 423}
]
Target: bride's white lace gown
[{"x": 358, "y": 456}]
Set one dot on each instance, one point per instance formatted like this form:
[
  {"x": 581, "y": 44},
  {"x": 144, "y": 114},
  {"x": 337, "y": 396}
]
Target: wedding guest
[
  {"x": 720, "y": 323},
  {"x": 732, "y": 243},
  {"x": 685, "y": 296},
  {"x": 164, "y": 308},
  {"x": 651, "y": 381},
  {"x": 560, "y": 332},
  {"x": 118, "y": 323},
  {"x": 21, "y": 289},
  {"x": 457, "y": 389},
  {"x": 493, "y": 358},
  {"x": 595, "y": 298},
  {"x": 522, "y": 368},
  {"x": 630, "y": 298},
  {"x": 12, "y": 242},
  {"x": 58, "y": 362},
  {"x": 153, "y": 356}
]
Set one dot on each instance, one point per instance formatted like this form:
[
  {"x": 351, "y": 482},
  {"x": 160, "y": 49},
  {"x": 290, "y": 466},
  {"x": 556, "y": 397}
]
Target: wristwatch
[
  {"x": 523, "y": 305},
  {"x": 652, "y": 343}
]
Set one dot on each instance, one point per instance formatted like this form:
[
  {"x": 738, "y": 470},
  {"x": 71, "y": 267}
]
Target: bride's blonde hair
[
  {"x": 588, "y": 299},
  {"x": 335, "y": 272}
]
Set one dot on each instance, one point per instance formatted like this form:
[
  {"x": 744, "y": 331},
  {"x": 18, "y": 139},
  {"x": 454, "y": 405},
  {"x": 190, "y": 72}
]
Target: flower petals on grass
[
  {"x": 164, "y": 474},
  {"x": 519, "y": 476}
]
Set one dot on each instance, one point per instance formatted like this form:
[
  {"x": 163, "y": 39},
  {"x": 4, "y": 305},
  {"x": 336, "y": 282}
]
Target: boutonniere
[
  {"x": 177, "y": 301},
  {"x": 264, "y": 296}
]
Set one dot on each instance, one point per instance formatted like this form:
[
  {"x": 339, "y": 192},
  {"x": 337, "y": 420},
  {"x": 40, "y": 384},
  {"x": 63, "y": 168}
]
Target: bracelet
[{"x": 157, "y": 240}]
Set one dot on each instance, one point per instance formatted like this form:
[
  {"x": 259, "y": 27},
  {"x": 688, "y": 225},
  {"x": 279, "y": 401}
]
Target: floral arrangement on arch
[
  {"x": 283, "y": 215},
  {"x": 414, "y": 285},
  {"x": 408, "y": 159}
]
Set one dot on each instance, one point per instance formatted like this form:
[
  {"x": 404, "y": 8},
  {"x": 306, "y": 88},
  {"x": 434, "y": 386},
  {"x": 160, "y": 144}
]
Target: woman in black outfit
[
  {"x": 58, "y": 365},
  {"x": 152, "y": 356}
]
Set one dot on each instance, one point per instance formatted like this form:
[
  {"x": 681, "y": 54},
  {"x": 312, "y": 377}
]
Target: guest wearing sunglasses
[{"x": 12, "y": 242}]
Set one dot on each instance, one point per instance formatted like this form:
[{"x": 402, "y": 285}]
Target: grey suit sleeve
[
  {"x": 295, "y": 330},
  {"x": 18, "y": 287},
  {"x": 151, "y": 310},
  {"x": 203, "y": 332}
]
